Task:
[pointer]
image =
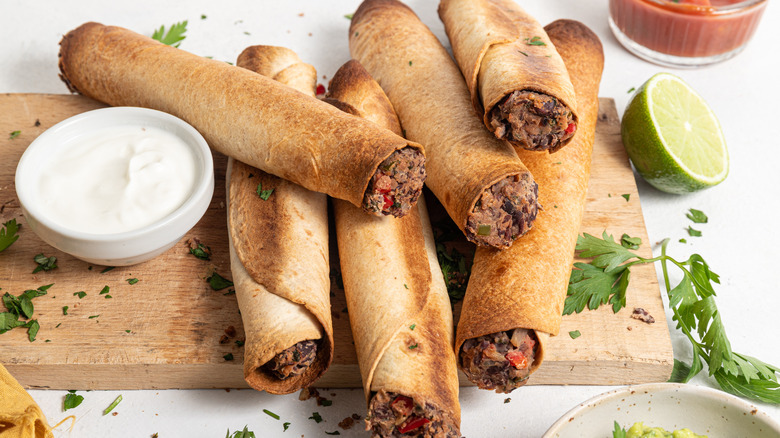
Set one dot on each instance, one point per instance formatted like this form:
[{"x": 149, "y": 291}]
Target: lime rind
[{"x": 694, "y": 138}]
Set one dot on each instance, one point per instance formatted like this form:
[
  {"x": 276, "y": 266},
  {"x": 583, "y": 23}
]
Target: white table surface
[{"x": 740, "y": 242}]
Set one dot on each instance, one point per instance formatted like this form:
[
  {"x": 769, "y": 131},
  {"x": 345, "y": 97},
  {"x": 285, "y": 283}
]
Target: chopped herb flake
[
  {"x": 200, "y": 251},
  {"x": 64, "y": 310},
  {"x": 132, "y": 280},
  {"x": 8, "y": 234},
  {"x": 106, "y": 269},
  {"x": 228, "y": 356},
  {"x": 80, "y": 294},
  {"x": 335, "y": 432},
  {"x": 246, "y": 433},
  {"x": 697, "y": 216},
  {"x": 507, "y": 400},
  {"x": 630, "y": 242},
  {"x": 44, "y": 263},
  {"x": 14, "y": 134},
  {"x": 286, "y": 425},
  {"x": 693, "y": 233},
  {"x": 271, "y": 414},
  {"x": 316, "y": 417},
  {"x": 240, "y": 343},
  {"x": 218, "y": 282},
  {"x": 683, "y": 241},
  {"x": 127, "y": 331},
  {"x": 263, "y": 194},
  {"x": 575, "y": 334},
  {"x": 412, "y": 347},
  {"x": 631, "y": 90},
  {"x": 348, "y": 16},
  {"x": 94, "y": 316},
  {"x": 535, "y": 41},
  {"x": 105, "y": 290},
  {"x": 174, "y": 36},
  {"x": 405, "y": 286},
  {"x": 112, "y": 405},
  {"x": 411, "y": 327},
  {"x": 523, "y": 53},
  {"x": 627, "y": 196}
]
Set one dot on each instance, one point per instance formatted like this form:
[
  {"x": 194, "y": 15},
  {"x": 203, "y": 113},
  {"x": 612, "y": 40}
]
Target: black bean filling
[
  {"x": 533, "y": 121},
  {"x": 394, "y": 415},
  {"x": 504, "y": 212},
  {"x": 500, "y": 361},
  {"x": 292, "y": 361},
  {"x": 396, "y": 184}
]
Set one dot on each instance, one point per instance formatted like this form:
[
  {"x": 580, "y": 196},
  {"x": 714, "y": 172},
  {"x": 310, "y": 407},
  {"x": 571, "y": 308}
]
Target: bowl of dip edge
[
  {"x": 672, "y": 406},
  {"x": 124, "y": 248}
]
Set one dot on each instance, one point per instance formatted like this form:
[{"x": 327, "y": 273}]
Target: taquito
[
  {"x": 279, "y": 256},
  {"x": 246, "y": 116},
  {"x": 397, "y": 301},
  {"x": 514, "y": 298},
  {"x": 479, "y": 179},
  {"x": 518, "y": 82}
]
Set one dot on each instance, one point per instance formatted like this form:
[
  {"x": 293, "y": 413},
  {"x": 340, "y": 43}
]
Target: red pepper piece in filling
[
  {"x": 571, "y": 128},
  {"x": 412, "y": 424},
  {"x": 388, "y": 202},
  {"x": 403, "y": 405},
  {"x": 320, "y": 89},
  {"x": 517, "y": 359}
]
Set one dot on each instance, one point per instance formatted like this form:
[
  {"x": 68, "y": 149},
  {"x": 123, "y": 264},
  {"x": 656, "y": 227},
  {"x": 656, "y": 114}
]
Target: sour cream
[{"x": 117, "y": 179}]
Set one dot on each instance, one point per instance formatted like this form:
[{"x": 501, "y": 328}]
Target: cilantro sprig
[
  {"x": 8, "y": 234},
  {"x": 692, "y": 301},
  {"x": 174, "y": 36}
]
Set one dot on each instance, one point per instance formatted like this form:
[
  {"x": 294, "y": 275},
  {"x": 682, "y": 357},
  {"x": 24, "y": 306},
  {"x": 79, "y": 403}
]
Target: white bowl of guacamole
[{"x": 664, "y": 407}]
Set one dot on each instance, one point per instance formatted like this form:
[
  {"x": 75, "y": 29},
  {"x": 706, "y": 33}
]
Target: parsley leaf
[
  {"x": 575, "y": 334},
  {"x": 693, "y": 233},
  {"x": 316, "y": 417},
  {"x": 71, "y": 401},
  {"x": 132, "y": 280},
  {"x": 80, "y": 294},
  {"x": 627, "y": 196},
  {"x": 697, "y": 216},
  {"x": 174, "y": 36},
  {"x": 535, "y": 41},
  {"x": 692, "y": 302},
  {"x": 201, "y": 251},
  {"x": 105, "y": 290},
  {"x": 44, "y": 263},
  {"x": 630, "y": 242},
  {"x": 348, "y": 16},
  {"x": 286, "y": 426},
  {"x": 8, "y": 234}
]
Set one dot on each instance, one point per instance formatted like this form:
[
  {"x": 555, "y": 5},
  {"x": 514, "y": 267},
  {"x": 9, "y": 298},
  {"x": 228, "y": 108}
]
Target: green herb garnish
[
  {"x": 575, "y": 334},
  {"x": 132, "y": 280},
  {"x": 286, "y": 425},
  {"x": 631, "y": 90},
  {"x": 246, "y": 433},
  {"x": 105, "y": 290},
  {"x": 693, "y": 233},
  {"x": 335, "y": 432},
  {"x": 80, "y": 294},
  {"x": 697, "y": 216},
  {"x": 522, "y": 53},
  {"x": 630, "y": 242},
  {"x": 229, "y": 356},
  {"x": 112, "y": 405},
  {"x": 106, "y": 269},
  {"x": 174, "y": 36},
  {"x": 535, "y": 41},
  {"x": 218, "y": 282},
  {"x": 14, "y": 134},
  {"x": 271, "y": 414},
  {"x": 264, "y": 194},
  {"x": 348, "y": 16},
  {"x": 316, "y": 417},
  {"x": 683, "y": 241},
  {"x": 406, "y": 287},
  {"x": 239, "y": 343},
  {"x": 44, "y": 263},
  {"x": 627, "y": 196},
  {"x": 8, "y": 234},
  {"x": 411, "y": 327},
  {"x": 94, "y": 316},
  {"x": 71, "y": 400},
  {"x": 412, "y": 347},
  {"x": 64, "y": 310},
  {"x": 201, "y": 251},
  {"x": 619, "y": 432},
  {"x": 692, "y": 302}
]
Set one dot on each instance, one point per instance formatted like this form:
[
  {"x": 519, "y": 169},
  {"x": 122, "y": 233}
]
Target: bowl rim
[
  {"x": 114, "y": 116},
  {"x": 657, "y": 387},
  {"x": 705, "y": 10}
]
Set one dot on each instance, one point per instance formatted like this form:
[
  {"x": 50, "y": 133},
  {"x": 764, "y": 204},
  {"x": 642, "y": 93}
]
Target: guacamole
[{"x": 639, "y": 430}]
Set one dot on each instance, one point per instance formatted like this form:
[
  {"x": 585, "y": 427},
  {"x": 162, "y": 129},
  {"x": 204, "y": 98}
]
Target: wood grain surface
[{"x": 168, "y": 330}]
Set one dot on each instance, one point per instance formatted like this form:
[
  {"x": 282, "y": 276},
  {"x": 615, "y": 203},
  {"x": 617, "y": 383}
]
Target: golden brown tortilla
[
  {"x": 432, "y": 103},
  {"x": 279, "y": 250},
  {"x": 244, "y": 115},
  {"x": 490, "y": 40},
  {"x": 525, "y": 286},
  {"x": 398, "y": 305}
]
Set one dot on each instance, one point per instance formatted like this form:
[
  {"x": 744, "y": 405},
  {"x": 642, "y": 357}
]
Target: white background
[{"x": 740, "y": 242}]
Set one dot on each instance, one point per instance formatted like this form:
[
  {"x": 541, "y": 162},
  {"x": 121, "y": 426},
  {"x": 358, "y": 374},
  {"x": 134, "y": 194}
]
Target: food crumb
[
  {"x": 301, "y": 14},
  {"x": 642, "y": 315},
  {"x": 347, "y": 423},
  {"x": 356, "y": 417},
  {"x": 37, "y": 123},
  {"x": 507, "y": 400},
  {"x": 224, "y": 339},
  {"x": 115, "y": 413}
]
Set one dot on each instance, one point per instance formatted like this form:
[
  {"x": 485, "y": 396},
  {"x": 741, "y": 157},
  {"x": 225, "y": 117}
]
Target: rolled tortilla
[
  {"x": 479, "y": 179},
  {"x": 398, "y": 304},
  {"x": 519, "y": 293},
  {"x": 246, "y": 116},
  {"x": 518, "y": 82},
  {"x": 279, "y": 257}
]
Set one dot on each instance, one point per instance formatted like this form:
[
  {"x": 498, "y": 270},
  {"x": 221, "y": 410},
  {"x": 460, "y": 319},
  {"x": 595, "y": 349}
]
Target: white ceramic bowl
[
  {"x": 118, "y": 249},
  {"x": 673, "y": 406}
]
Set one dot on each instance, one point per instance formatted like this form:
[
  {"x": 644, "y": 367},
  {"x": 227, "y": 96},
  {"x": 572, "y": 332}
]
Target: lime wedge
[{"x": 673, "y": 137}]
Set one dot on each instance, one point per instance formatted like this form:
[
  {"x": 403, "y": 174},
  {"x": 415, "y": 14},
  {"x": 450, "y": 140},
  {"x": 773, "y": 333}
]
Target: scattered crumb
[
  {"x": 347, "y": 423},
  {"x": 642, "y": 315},
  {"x": 629, "y": 328},
  {"x": 115, "y": 413},
  {"x": 227, "y": 389},
  {"x": 301, "y": 14},
  {"x": 224, "y": 339},
  {"x": 356, "y": 417},
  {"x": 307, "y": 393},
  {"x": 37, "y": 123},
  {"x": 230, "y": 331},
  {"x": 507, "y": 400},
  {"x": 309, "y": 33}
]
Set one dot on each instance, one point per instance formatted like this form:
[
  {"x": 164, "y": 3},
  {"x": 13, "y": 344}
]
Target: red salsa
[{"x": 688, "y": 28}]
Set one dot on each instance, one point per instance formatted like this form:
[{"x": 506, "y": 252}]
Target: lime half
[{"x": 673, "y": 137}]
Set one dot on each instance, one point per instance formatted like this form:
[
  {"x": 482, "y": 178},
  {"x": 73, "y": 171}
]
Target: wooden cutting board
[{"x": 168, "y": 330}]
